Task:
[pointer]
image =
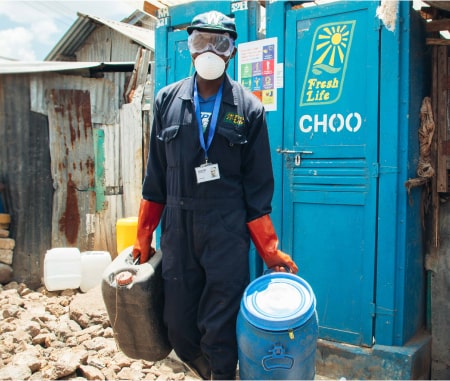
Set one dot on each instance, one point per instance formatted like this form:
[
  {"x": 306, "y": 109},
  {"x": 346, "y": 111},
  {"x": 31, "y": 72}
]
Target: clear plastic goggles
[{"x": 199, "y": 42}]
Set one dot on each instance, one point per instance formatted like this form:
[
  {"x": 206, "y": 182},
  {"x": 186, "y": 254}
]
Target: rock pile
[
  {"x": 67, "y": 335},
  {"x": 6, "y": 249}
]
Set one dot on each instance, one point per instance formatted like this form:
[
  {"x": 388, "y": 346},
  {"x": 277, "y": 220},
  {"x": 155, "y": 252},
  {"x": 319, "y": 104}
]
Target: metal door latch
[
  {"x": 298, "y": 154},
  {"x": 287, "y": 151}
]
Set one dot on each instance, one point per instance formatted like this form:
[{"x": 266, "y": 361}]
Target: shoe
[{"x": 200, "y": 367}]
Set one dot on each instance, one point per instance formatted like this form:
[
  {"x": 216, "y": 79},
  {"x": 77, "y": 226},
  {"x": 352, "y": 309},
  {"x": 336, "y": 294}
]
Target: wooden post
[{"x": 440, "y": 91}]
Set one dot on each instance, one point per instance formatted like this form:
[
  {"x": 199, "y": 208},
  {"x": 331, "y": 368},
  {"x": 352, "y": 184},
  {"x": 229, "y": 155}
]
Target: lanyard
[{"x": 214, "y": 116}]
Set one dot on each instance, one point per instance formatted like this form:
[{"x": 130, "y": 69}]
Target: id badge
[{"x": 207, "y": 172}]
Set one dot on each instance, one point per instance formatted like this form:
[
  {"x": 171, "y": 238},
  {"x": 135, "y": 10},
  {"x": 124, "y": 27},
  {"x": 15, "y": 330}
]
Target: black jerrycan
[{"x": 134, "y": 300}]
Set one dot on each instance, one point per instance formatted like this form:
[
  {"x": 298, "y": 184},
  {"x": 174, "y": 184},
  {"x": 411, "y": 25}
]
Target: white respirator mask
[{"x": 209, "y": 65}]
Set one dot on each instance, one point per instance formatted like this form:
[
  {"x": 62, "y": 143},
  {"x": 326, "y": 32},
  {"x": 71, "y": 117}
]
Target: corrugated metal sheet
[
  {"x": 167, "y": 3},
  {"x": 22, "y": 67},
  {"x": 74, "y": 38},
  {"x": 106, "y": 44},
  {"x": 25, "y": 170},
  {"x": 117, "y": 150},
  {"x": 96, "y": 168},
  {"x": 73, "y": 167},
  {"x": 144, "y": 37},
  {"x": 104, "y": 94}
]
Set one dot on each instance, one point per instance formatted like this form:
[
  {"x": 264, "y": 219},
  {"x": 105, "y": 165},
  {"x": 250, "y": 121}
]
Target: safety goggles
[{"x": 199, "y": 42}]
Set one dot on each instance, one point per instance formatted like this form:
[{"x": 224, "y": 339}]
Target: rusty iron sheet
[{"x": 72, "y": 164}]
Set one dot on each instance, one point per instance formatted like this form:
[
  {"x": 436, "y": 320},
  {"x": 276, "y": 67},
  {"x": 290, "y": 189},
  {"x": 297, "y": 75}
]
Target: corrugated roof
[
  {"x": 22, "y": 67},
  {"x": 167, "y": 3},
  {"x": 145, "y": 37},
  {"x": 84, "y": 26}
]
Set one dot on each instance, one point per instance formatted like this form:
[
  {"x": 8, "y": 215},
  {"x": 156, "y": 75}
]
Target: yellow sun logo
[{"x": 335, "y": 43}]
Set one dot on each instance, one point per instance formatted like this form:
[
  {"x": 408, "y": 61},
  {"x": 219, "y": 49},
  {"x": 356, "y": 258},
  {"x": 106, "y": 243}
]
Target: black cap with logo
[{"x": 213, "y": 22}]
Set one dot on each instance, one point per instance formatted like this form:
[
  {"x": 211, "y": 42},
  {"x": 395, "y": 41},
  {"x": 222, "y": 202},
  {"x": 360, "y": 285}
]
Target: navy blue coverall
[{"x": 205, "y": 240}]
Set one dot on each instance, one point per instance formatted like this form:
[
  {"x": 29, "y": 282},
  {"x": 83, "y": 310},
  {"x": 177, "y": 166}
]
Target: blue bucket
[{"x": 277, "y": 329}]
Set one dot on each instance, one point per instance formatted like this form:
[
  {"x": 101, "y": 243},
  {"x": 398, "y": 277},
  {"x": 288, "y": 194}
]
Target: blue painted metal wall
[
  {"x": 400, "y": 292},
  {"x": 397, "y": 307}
]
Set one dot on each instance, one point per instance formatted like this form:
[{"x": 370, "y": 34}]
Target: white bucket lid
[{"x": 278, "y": 301}]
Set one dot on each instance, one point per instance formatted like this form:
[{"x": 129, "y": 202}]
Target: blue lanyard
[{"x": 215, "y": 115}]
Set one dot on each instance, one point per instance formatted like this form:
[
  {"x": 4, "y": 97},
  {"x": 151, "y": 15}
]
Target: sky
[{"x": 30, "y": 29}]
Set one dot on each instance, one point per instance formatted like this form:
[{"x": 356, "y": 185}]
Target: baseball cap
[{"x": 213, "y": 21}]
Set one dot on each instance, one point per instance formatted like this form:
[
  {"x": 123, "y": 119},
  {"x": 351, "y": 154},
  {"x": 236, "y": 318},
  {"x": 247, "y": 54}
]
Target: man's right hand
[
  {"x": 266, "y": 243},
  {"x": 149, "y": 216},
  {"x": 141, "y": 252}
]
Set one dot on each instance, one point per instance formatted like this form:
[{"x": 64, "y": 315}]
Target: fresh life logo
[{"x": 327, "y": 64}]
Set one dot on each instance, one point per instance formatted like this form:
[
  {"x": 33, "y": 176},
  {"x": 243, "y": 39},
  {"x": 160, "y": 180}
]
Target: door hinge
[{"x": 372, "y": 309}]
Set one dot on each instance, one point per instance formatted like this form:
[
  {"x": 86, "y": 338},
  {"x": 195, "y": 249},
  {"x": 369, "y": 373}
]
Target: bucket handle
[
  {"x": 278, "y": 359},
  {"x": 271, "y": 270}
]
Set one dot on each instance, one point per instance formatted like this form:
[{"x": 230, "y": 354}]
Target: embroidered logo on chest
[{"x": 235, "y": 119}]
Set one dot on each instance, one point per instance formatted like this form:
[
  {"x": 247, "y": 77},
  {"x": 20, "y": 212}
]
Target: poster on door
[{"x": 257, "y": 70}]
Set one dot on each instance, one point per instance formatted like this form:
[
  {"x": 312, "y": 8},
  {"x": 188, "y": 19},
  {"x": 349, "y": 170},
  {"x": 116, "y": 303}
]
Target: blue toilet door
[{"x": 330, "y": 158}]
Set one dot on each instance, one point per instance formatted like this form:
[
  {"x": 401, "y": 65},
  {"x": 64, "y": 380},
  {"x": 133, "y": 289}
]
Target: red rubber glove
[
  {"x": 149, "y": 215},
  {"x": 266, "y": 243}
]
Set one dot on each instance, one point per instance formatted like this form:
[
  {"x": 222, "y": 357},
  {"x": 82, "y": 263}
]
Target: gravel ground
[{"x": 67, "y": 335}]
